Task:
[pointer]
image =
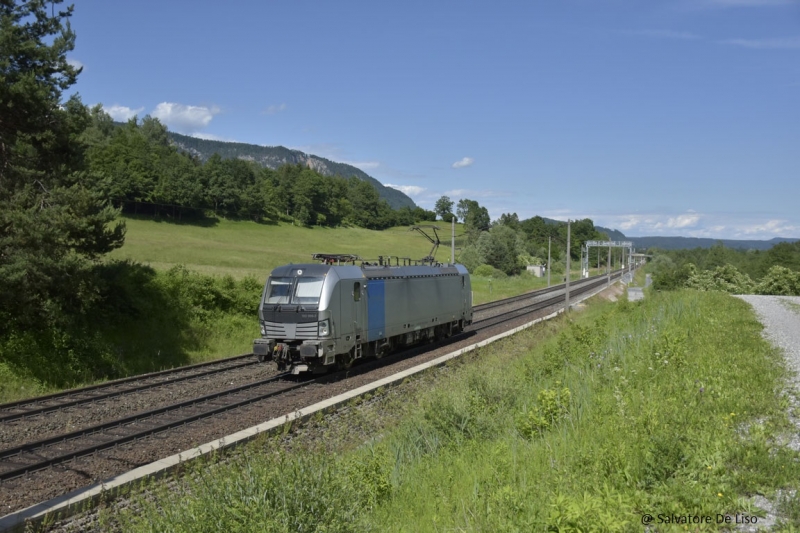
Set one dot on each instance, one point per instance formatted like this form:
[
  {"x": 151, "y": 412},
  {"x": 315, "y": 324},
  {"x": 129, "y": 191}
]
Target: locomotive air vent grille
[{"x": 280, "y": 330}]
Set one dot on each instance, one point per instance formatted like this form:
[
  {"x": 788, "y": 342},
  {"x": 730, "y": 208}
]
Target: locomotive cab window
[
  {"x": 356, "y": 291},
  {"x": 278, "y": 291},
  {"x": 307, "y": 291}
]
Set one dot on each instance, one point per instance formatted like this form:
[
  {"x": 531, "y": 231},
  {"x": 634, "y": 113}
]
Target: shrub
[
  {"x": 780, "y": 281},
  {"x": 726, "y": 278},
  {"x": 483, "y": 271}
]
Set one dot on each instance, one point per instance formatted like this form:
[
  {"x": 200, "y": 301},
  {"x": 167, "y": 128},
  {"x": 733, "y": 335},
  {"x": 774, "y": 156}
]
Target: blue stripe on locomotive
[{"x": 376, "y": 310}]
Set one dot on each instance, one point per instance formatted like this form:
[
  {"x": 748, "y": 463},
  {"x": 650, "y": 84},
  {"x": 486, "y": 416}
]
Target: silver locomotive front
[{"x": 295, "y": 317}]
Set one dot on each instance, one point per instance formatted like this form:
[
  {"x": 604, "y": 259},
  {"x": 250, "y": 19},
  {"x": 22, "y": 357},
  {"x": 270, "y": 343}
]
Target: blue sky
[{"x": 656, "y": 118}]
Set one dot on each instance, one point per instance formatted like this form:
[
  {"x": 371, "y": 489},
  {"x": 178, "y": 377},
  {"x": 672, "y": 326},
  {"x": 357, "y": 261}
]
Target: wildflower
[{"x": 719, "y": 494}]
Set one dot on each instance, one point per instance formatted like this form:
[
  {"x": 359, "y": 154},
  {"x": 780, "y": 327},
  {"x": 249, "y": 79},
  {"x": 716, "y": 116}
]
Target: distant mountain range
[
  {"x": 276, "y": 156},
  {"x": 679, "y": 243},
  {"x": 683, "y": 243}
]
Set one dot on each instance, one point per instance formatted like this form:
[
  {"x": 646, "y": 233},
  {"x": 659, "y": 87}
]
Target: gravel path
[{"x": 780, "y": 316}]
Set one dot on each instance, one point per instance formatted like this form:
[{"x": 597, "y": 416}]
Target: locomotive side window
[
  {"x": 356, "y": 291},
  {"x": 278, "y": 291},
  {"x": 462, "y": 282}
]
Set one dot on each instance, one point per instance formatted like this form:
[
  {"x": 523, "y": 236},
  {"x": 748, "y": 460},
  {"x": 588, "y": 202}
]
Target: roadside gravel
[{"x": 780, "y": 316}]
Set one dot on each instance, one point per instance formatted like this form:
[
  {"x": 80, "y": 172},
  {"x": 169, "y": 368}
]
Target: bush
[
  {"x": 780, "y": 281},
  {"x": 139, "y": 320},
  {"x": 484, "y": 271},
  {"x": 726, "y": 278}
]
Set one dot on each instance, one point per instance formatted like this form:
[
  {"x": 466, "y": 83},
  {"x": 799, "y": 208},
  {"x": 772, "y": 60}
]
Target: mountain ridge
[{"x": 276, "y": 156}]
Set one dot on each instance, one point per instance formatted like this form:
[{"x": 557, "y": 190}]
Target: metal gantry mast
[{"x": 603, "y": 244}]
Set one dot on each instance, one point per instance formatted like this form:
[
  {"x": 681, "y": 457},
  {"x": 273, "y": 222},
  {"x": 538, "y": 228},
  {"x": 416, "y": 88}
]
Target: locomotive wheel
[
  {"x": 345, "y": 360},
  {"x": 382, "y": 350}
]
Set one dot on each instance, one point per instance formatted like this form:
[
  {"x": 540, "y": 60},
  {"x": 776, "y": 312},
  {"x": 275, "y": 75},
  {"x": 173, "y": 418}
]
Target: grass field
[
  {"x": 665, "y": 408},
  {"x": 242, "y": 248}
]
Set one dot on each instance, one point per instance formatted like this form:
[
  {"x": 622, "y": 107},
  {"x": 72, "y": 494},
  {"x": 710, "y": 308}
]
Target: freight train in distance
[{"x": 326, "y": 315}]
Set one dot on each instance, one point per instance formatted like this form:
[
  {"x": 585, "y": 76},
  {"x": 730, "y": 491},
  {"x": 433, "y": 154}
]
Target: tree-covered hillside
[{"x": 276, "y": 156}]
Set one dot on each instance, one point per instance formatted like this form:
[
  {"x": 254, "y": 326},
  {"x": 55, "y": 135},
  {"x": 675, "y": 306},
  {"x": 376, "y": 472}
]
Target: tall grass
[{"x": 667, "y": 406}]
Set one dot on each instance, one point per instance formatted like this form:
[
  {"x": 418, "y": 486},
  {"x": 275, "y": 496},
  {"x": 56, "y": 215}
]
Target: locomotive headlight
[
  {"x": 263, "y": 329},
  {"x": 325, "y": 328}
]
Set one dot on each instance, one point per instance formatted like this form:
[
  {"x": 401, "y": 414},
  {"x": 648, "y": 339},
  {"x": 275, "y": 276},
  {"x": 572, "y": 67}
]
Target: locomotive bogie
[{"x": 316, "y": 316}]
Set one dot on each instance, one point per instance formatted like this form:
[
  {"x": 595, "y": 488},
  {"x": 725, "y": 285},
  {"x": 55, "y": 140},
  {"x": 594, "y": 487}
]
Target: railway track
[
  {"x": 578, "y": 289},
  {"x": 33, "y": 456},
  {"x": 22, "y": 464},
  {"x": 102, "y": 391},
  {"x": 536, "y": 293}
]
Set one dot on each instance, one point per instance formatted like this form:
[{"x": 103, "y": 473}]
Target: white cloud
[
  {"x": 74, "y": 62},
  {"x": 667, "y": 34},
  {"x": 683, "y": 221},
  {"x": 774, "y": 227},
  {"x": 763, "y": 44},
  {"x": 410, "y": 190},
  {"x": 184, "y": 118},
  {"x": 122, "y": 113},
  {"x": 465, "y": 162},
  {"x": 273, "y": 109},
  {"x": 691, "y": 224},
  {"x": 630, "y": 222}
]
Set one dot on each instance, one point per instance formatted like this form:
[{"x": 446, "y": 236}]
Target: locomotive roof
[{"x": 368, "y": 271}]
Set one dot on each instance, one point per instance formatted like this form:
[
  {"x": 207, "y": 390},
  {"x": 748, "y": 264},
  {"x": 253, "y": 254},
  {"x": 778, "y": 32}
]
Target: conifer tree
[{"x": 53, "y": 222}]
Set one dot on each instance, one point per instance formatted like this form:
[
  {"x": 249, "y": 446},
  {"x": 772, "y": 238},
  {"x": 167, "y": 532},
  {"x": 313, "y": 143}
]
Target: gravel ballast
[{"x": 780, "y": 316}]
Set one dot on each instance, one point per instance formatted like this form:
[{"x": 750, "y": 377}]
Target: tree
[
  {"x": 509, "y": 219},
  {"x": 443, "y": 207},
  {"x": 501, "y": 248},
  {"x": 474, "y": 217},
  {"x": 53, "y": 222}
]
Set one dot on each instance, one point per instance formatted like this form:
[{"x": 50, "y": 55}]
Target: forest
[
  {"x": 141, "y": 172},
  {"x": 773, "y": 271}
]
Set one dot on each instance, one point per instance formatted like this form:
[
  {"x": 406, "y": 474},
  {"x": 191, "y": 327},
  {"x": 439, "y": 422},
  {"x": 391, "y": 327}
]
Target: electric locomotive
[{"x": 317, "y": 316}]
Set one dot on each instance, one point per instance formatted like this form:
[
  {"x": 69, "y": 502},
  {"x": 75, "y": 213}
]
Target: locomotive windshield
[
  {"x": 307, "y": 291},
  {"x": 302, "y": 291},
  {"x": 279, "y": 290}
]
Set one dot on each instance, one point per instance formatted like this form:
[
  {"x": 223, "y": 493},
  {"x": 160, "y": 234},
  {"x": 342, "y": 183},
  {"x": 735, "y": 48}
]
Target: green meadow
[
  {"x": 636, "y": 412},
  {"x": 244, "y": 248}
]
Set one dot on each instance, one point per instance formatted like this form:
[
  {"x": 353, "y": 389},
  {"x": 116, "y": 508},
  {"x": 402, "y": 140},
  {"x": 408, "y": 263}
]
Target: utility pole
[
  {"x": 566, "y": 291},
  {"x": 453, "y": 243},
  {"x": 608, "y": 269},
  {"x": 548, "y": 259}
]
